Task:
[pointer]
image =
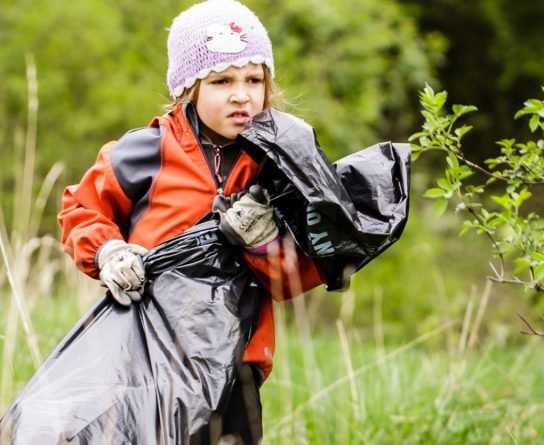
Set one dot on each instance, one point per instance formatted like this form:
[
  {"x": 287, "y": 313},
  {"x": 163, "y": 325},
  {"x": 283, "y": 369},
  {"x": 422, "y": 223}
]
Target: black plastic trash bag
[
  {"x": 154, "y": 373},
  {"x": 342, "y": 214}
]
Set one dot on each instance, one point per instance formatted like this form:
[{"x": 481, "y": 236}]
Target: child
[{"x": 158, "y": 181}]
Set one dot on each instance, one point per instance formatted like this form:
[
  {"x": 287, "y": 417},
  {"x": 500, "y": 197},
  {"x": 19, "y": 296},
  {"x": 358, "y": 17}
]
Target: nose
[{"x": 239, "y": 94}]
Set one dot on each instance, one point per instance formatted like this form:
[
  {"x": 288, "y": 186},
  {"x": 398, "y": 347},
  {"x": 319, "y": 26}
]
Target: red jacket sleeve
[
  {"x": 93, "y": 212},
  {"x": 286, "y": 272}
]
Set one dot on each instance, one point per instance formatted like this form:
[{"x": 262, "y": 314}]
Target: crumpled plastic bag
[
  {"x": 154, "y": 373},
  {"x": 342, "y": 214}
]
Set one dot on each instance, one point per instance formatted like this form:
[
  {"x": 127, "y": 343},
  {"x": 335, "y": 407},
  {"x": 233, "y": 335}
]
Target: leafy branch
[{"x": 516, "y": 235}]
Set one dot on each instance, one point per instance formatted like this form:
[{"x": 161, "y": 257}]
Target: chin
[{"x": 231, "y": 135}]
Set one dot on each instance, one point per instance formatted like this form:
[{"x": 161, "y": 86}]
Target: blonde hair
[{"x": 273, "y": 96}]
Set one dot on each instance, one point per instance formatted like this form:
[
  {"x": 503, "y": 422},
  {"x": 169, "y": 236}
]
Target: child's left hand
[{"x": 249, "y": 221}]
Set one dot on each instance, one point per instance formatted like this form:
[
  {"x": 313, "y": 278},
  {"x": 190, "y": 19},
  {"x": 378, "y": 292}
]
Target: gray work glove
[
  {"x": 247, "y": 220},
  {"x": 122, "y": 270}
]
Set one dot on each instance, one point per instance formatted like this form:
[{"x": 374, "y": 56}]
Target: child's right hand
[{"x": 122, "y": 270}]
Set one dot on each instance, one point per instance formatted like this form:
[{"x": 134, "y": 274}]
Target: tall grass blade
[
  {"x": 43, "y": 195},
  {"x": 346, "y": 354},
  {"x": 346, "y": 379},
  {"x": 18, "y": 298},
  {"x": 23, "y": 202}
]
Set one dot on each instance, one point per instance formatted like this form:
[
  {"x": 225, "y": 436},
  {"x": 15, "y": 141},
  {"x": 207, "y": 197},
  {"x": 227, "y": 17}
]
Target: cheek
[
  {"x": 207, "y": 110},
  {"x": 259, "y": 100}
]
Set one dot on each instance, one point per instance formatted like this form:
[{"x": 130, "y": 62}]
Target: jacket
[{"x": 154, "y": 183}]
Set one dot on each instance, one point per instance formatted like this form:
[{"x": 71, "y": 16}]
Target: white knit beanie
[{"x": 212, "y": 36}]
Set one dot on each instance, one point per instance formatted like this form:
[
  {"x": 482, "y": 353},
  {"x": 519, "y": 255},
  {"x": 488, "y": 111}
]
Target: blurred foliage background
[{"x": 351, "y": 68}]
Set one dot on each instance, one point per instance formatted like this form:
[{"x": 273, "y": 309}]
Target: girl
[{"x": 158, "y": 181}]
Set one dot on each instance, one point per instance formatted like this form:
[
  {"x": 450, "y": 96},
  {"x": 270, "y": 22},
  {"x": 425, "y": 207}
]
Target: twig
[
  {"x": 533, "y": 331},
  {"x": 500, "y": 280},
  {"x": 491, "y": 239},
  {"x": 461, "y": 156},
  {"x": 538, "y": 287}
]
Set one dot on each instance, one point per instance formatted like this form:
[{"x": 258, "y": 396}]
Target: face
[{"x": 227, "y": 100}]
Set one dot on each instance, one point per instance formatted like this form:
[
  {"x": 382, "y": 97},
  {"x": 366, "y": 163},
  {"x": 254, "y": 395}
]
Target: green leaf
[
  {"x": 428, "y": 91},
  {"x": 459, "y": 110},
  {"x": 503, "y": 201},
  {"x": 524, "y": 195},
  {"x": 539, "y": 273},
  {"x": 490, "y": 181},
  {"x": 537, "y": 256},
  {"x": 416, "y": 136},
  {"x": 534, "y": 104},
  {"x": 467, "y": 225},
  {"x": 461, "y": 131},
  {"x": 443, "y": 184},
  {"x": 452, "y": 161},
  {"x": 434, "y": 193},
  {"x": 523, "y": 265},
  {"x": 439, "y": 100},
  {"x": 506, "y": 143},
  {"x": 534, "y": 122},
  {"x": 475, "y": 189},
  {"x": 440, "y": 206},
  {"x": 463, "y": 172}
]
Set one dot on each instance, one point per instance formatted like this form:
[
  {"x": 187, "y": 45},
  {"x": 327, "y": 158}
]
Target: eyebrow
[{"x": 224, "y": 75}]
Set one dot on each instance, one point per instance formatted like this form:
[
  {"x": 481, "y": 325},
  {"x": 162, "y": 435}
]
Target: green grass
[
  {"x": 408, "y": 394},
  {"x": 52, "y": 317}
]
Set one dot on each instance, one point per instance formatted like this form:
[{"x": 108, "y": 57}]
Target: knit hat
[{"x": 212, "y": 36}]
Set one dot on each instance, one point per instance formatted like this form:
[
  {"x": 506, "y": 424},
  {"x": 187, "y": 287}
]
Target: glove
[
  {"x": 122, "y": 270},
  {"x": 222, "y": 203},
  {"x": 249, "y": 221}
]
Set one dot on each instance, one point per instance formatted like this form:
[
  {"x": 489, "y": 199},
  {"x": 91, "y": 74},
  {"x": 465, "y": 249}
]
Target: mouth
[
  {"x": 239, "y": 113},
  {"x": 239, "y": 117}
]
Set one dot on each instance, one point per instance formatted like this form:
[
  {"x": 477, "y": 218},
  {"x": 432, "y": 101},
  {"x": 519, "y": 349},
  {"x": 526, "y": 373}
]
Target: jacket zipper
[
  {"x": 217, "y": 168},
  {"x": 217, "y": 181},
  {"x": 214, "y": 169}
]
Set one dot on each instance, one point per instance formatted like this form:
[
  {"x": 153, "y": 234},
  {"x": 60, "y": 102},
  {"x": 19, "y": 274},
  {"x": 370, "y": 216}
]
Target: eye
[
  {"x": 256, "y": 79},
  {"x": 220, "y": 81}
]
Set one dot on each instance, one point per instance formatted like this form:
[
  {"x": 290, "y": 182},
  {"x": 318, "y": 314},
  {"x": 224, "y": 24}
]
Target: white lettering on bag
[{"x": 325, "y": 246}]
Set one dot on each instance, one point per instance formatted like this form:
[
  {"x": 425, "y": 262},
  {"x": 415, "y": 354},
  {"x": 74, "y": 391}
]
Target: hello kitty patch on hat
[
  {"x": 226, "y": 38},
  {"x": 212, "y": 36}
]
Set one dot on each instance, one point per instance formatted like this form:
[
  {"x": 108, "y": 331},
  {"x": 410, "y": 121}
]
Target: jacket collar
[
  {"x": 203, "y": 133},
  {"x": 189, "y": 111}
]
